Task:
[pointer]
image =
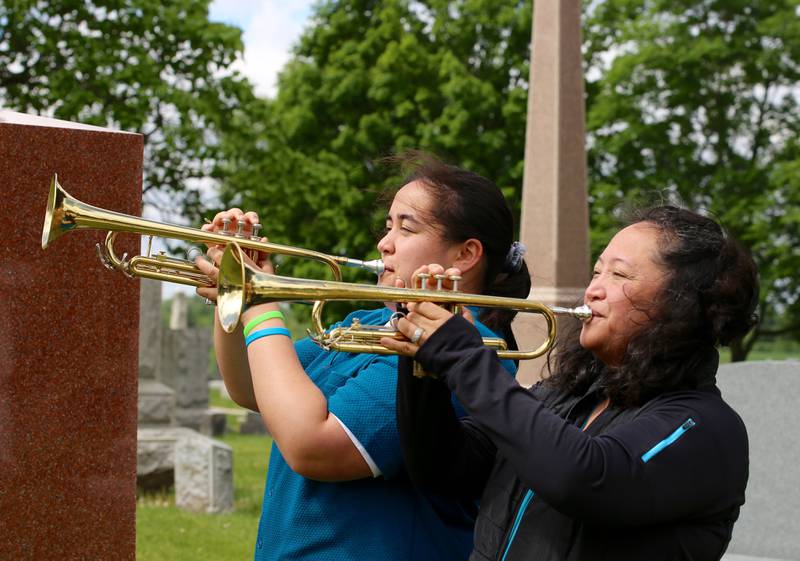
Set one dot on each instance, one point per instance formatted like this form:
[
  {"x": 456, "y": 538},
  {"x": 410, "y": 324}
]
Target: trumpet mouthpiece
[
  {"x": 376, "y": 265},
  {"x": 583, "y": 313}
]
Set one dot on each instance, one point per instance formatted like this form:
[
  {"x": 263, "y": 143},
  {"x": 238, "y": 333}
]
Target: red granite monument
[{"x": 68, "y": 348}]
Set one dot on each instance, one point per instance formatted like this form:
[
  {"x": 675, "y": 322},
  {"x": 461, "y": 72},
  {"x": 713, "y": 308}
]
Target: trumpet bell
[
  {"x": 54, "y": 223},
  {"x": 231, "y": 282}
]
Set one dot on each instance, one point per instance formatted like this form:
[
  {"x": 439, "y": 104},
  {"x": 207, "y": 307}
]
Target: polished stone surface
[
  {"x": 555, "y": 222},
  {"x": 68, "y": 349}
]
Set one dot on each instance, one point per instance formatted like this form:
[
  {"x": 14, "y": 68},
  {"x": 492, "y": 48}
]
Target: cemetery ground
[{"x": 165, "y": 532}]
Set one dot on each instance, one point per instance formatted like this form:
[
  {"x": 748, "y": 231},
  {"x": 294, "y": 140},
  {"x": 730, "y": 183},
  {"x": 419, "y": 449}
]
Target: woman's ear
[{"x": 469, "y": 255}]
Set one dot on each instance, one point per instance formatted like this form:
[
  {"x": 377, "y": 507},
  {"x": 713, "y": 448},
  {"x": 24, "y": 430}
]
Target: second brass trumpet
[{"x": 240, "y": 286}]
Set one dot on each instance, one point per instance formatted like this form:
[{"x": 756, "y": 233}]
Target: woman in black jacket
[{"x": 627, "y": 451}]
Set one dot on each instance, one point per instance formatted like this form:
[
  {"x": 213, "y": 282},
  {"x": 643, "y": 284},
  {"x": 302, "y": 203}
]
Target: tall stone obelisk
[{"x": 554, "y": 222}]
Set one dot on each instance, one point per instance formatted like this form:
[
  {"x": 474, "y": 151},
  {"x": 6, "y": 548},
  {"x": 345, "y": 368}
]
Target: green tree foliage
[
  {"x": 694, "y": 100},
  {"x": 157, "y": 68},
  {"x": 698, "y": 100},
  {"x": 372, "y": 78}
]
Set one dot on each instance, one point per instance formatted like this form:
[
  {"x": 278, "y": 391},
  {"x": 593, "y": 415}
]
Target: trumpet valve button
[
  {"x": 423, "y": 280},
  {"x": 193, "y": 253},
  {"x": 439, "y": 280},
  {"x": 455, "y": 279},
  {"x": 240, "y": 229},
  {"x": 256, "y": 229},
  {"x": 226, "y": 226}
]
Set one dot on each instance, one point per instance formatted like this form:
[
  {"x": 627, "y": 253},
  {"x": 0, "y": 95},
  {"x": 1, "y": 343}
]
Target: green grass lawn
[{"x": 166, "y": 533}]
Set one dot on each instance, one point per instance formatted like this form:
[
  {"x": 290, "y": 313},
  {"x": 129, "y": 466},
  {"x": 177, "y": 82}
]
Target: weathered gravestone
[{"x": 766, "y": 394}]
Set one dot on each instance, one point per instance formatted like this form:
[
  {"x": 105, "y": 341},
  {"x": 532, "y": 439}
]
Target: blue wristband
[{"x": 266, "y": 333}]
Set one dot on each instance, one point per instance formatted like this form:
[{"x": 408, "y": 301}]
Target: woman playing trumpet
[
  {"x": 627, "y": 451},
  {"x": 337, "y": 486}
]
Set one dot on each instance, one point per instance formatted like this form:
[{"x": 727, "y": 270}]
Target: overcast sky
[{"x": 270, "y": 29}]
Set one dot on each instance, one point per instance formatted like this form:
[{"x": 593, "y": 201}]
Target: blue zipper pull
[{"x": 679, "y": 432}]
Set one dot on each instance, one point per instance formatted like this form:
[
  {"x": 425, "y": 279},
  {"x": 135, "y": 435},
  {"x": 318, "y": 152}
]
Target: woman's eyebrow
[{"x": 403, "y": 217}]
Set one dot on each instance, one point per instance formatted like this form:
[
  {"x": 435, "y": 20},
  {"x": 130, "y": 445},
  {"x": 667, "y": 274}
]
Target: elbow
[
  {"x": 568, "y": 491},
  {"x": 311, "y": 466},
  {"x": 243, "y": 399},
  {"x": 304, "y": 466},
  {"x": 593, "y": 502}
]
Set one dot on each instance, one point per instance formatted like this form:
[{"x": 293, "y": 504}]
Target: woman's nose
[
  {"x": 385, "y": 244},
  {"x": 595, "y": 290}
]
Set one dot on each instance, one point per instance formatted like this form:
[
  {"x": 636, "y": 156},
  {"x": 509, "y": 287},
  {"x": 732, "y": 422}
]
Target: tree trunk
[{"x": 739, "y": 351}]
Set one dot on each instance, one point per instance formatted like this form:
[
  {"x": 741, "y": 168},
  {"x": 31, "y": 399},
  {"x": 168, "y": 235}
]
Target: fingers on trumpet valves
[
  {"x": 234, "y": 222},
  {"x": 441, "y": 282},
  {"x": 441, "y": 279},
  {"x": 239, "y": 225}
]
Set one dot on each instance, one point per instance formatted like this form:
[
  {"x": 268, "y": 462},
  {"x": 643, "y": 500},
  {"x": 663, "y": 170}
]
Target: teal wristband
[
  {"x": 266, "y": 333},
  {"x": 263, "y": 317}
]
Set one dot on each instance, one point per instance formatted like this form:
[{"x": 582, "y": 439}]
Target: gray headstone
[
  {"x": 156, "y": 404},
  {"x": 765, "y": 394},
  {"x": 253, "y": 424},
  {"x": 203, "y": 475},
  {"x": 155, "y": 456},
  {"x": 216, "y": 422},
  {"x": 184, "y": 368},
  {"x": 179, "y": 312},
  {"x": 149, "y": 329}
]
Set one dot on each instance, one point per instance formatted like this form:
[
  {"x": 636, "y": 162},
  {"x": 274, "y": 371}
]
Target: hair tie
[{"x": 514, "y": 257}]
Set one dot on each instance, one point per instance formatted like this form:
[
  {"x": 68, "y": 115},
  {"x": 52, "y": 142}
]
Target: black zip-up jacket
[{"x": 663, "y": 481}]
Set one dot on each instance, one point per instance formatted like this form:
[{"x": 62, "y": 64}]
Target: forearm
[
  {"x": 296, "y": 413},
  {"x": 442, "y": 453},
  {"x": 234, "y": 366},
  {"x": 599, "y": 478}
]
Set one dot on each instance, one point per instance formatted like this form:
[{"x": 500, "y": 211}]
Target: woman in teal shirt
[{"x": 337, "y": 487}]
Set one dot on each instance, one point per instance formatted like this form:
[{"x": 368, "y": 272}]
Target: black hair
[
  {"x": 469, "y": 205},
  {"x": 709, "y": 299}
]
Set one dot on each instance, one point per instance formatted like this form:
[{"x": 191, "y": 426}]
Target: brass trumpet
[
  {"x": 65, "y": 213},
  {"x": 241, "y": 286}
]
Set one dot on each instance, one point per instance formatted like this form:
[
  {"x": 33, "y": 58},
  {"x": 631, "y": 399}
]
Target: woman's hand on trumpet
[
  {"x": 423, "y": 318},
  {"x": 228, "y": 221}
]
